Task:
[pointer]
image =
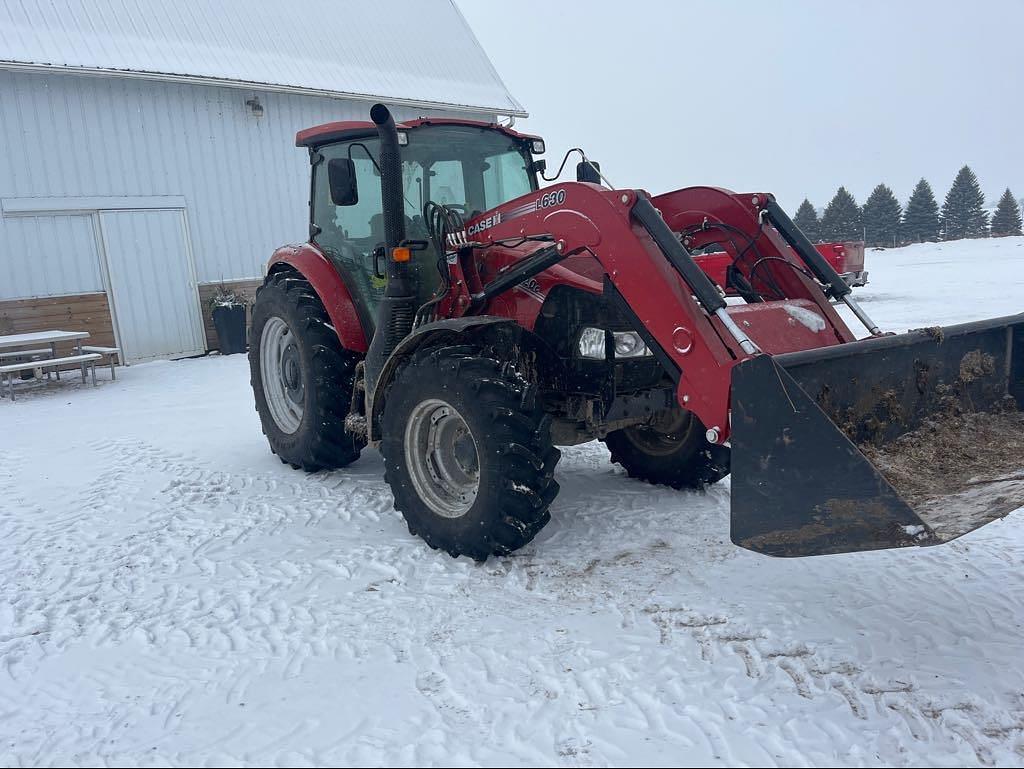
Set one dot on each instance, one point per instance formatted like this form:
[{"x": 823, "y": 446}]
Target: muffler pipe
[
  {"x": 390, "y": 162},
  {"x": 398, "y": 307}
]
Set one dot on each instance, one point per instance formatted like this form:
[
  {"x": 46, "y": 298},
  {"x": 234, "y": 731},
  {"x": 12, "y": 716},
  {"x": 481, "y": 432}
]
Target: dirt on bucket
[{"x": 957, "y": 471}]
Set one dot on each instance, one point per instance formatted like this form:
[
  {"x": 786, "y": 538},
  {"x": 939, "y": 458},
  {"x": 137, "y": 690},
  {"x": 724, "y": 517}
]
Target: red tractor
[
  {"x": 846, "y": 258},
  {"x": 450, "y": 312}
]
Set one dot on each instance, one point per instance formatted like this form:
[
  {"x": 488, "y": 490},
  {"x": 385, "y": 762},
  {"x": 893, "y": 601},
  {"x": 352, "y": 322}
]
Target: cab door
[{"x": 348, "y": 235}]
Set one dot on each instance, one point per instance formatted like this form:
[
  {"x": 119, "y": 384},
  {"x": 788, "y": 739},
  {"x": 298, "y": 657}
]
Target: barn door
[{"x": 153, "y": 289}]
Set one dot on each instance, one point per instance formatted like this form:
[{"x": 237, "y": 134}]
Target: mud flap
[{"x": 867, "y": 445}]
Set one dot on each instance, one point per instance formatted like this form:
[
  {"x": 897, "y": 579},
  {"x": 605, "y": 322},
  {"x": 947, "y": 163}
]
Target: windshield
[{"x": 470, "y": 169}]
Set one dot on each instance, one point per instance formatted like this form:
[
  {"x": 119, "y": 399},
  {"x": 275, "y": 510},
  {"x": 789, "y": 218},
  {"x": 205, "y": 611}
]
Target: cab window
[
  {"x": 349, "y": 234},
  {"x": 468, "y": 168}
]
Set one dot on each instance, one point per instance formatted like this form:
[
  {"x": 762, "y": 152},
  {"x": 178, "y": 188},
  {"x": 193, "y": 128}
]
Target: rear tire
[
  {"x": 672, "y": 451},
  {"x": 467, "y": 452},
  {"x": 301, "y": 376}
]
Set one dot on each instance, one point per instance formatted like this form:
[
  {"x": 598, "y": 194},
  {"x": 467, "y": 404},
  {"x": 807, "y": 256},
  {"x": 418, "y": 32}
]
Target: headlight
[
  {"x": 628, "y": 344},
  {"x": 591, "y": 343}
]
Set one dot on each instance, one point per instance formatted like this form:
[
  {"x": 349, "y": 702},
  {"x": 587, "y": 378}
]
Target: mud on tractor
[{"x": 453, "y": 313}]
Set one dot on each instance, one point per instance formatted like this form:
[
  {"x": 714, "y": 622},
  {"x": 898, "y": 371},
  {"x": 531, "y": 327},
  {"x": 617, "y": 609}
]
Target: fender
[
  {"x": 407, "y": 346},
  {"x": 330, "y": 286}
]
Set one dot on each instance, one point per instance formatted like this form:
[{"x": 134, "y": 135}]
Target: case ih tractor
[{"x": 450, "y": 312}]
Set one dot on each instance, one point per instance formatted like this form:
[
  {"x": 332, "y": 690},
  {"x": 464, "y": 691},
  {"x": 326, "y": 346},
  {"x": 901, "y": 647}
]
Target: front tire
[
  {"x": 467, "y": 452},
  {"x": 301, "y": 376},
  {"x": 671, "y": 450}
]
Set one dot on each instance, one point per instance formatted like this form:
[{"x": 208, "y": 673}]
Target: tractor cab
[{"x": 466, "y": 166}]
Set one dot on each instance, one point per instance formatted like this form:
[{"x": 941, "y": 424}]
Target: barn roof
[{"x": 414, "y": 52}]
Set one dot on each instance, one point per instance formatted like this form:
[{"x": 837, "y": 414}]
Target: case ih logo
[
  {"x": 547, "y": 200},
  {"x": 484, "y": 224}
]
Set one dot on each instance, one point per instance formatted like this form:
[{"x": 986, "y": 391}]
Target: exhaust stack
[{"x": 397, "y": 308}]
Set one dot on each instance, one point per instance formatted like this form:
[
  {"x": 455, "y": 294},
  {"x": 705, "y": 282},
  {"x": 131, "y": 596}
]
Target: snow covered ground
[{"x": 171, "y": 594}]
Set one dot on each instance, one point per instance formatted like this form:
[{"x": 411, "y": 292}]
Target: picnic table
[
  {"x": 49, "y": 338},
  {"x": 45, "y": 357}
]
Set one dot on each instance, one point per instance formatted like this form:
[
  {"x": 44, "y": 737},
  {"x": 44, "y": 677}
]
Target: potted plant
[{"x": 228, "y": 310}]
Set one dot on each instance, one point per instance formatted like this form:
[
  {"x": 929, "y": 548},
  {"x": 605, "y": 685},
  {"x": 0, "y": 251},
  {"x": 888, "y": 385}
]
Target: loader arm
[
  {"x": 694, "y": 345},
  {"x": 737, "y": 223},
  {"x": 824, "y": 429}
]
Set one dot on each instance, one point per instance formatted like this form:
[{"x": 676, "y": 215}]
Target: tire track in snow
[
  {"x": 111, "y": 588},
  {"x": 811, "y": 671},
  {"x": 193, "y": 573},
  {"x": 814, "y": 673},
  {"x": 150, "y": 585}
]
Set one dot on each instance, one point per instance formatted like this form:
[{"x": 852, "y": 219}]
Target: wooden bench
[
  {"x": 108, "y": 352},
  {"x": 86, "y": 360}
]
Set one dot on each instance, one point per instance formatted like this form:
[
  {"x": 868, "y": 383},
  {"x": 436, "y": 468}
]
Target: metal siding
[
  {"x": 48, "y": 256},
  {"x": 336, "y": 47},
  {"x": 245, "y": 184}
]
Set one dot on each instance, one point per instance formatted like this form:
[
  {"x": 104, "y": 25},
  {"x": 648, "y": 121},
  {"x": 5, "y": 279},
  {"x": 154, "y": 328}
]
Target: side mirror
[
  {"x": 587, "y": 171},
  {"x": 341, "y": 176}
]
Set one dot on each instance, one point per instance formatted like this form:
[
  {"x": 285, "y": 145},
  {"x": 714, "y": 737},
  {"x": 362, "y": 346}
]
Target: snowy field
[{"x": 171, "y": 594}]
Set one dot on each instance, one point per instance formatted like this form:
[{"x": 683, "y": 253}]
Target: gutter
[{"x": 248, "y": 85}]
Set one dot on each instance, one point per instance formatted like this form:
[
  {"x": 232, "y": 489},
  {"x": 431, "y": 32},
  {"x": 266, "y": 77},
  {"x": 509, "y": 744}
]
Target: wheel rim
[
  {"x": 663, "y": 435},
  {"x": 281, "y": 372},
  {"x": 442, "y": 457}
]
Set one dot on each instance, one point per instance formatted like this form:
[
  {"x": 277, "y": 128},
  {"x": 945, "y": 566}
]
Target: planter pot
[{"x": 230, "y": 323}]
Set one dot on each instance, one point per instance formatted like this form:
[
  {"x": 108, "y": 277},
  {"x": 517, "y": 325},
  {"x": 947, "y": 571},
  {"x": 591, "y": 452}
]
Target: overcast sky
[{"x": 788, "y": 97}]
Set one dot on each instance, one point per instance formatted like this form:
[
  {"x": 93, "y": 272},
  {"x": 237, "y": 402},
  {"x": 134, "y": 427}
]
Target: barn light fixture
[{"x": 254, "y": 106}]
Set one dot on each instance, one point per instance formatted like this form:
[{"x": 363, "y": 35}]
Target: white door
[{"x": 153, "y": 290}]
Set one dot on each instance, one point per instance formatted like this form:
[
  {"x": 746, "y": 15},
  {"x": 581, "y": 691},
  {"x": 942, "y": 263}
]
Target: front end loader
[{"x": 453, "y": 313}]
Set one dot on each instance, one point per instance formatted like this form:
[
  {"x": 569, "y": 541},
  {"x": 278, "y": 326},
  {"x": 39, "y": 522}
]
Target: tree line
[{"x": 882, "y": 221}]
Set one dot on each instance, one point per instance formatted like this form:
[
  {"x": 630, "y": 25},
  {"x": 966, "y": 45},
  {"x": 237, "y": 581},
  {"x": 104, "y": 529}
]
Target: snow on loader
[{"x": 449, "y": 311}]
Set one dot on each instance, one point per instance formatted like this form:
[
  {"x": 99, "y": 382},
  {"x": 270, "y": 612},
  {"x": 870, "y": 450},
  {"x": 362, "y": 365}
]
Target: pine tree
[
  {"x": 921, "y": 216},
  {"x": 963, "y": 212},
  {"x": 842, "y": 218},
  {"x": 1007, "y": 219},
  {"x": 807, "y": 220},
  {"x": 881, "y": 215}
]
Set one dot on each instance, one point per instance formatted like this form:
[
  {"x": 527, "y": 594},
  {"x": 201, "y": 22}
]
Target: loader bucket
[{"x": 913, "y": 439}]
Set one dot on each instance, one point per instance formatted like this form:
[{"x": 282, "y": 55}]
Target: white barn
[{"x": 148, "y": 149}]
